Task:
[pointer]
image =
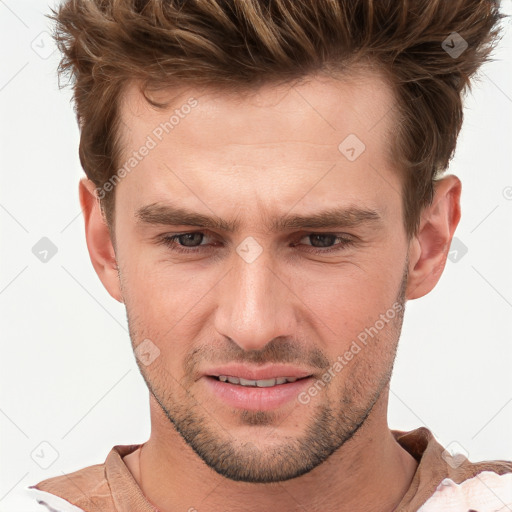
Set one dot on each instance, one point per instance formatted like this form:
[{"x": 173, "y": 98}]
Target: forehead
[
  {"x": 358, "y": 102},
  {"x": 269, "y": 146}
]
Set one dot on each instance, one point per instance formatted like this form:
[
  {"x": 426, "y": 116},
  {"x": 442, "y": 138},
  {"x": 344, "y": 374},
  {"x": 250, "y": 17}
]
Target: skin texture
[{"x": 257, "y": 158}]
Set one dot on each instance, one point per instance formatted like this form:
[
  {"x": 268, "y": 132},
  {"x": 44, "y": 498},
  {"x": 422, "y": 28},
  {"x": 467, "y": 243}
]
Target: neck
[{"x": 370, "y": 472}]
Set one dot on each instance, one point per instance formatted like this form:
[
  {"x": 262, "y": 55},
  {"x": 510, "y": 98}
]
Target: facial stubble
[{"x": 334, "y": 421}]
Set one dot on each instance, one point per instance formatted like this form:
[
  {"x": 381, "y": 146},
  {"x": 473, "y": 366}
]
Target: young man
[{"x": 264, "y": 194}]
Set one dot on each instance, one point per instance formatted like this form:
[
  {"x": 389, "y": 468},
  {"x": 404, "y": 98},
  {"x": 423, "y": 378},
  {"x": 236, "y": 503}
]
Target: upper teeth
[{"x": 264, "y": 383}]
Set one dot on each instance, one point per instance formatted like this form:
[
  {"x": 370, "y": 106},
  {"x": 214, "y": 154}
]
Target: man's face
[{"x": 296, "y": 294}]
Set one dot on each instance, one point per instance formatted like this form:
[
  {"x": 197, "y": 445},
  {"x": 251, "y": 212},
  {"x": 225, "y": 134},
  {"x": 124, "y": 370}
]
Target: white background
[{"x": 68, "y": 374}]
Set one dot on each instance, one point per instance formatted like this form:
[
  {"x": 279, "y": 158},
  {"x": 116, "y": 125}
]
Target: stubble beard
[{"x": 333, "y": 422}]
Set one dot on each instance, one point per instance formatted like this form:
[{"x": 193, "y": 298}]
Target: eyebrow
[{"x": 168, "y": 215}]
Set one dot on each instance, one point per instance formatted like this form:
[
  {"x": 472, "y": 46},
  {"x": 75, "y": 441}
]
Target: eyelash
[{"x": 171, "y": 242}]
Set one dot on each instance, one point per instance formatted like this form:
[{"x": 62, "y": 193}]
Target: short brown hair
[{"x": 107, "y": 44}]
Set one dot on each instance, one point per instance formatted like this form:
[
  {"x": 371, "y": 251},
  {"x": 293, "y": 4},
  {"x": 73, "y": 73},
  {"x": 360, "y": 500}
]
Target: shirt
[{"x": 441, "y": 483}]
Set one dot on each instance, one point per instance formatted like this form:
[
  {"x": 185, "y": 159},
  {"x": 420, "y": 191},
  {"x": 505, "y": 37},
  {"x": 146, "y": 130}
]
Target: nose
[{"x": 256, "y": 303}]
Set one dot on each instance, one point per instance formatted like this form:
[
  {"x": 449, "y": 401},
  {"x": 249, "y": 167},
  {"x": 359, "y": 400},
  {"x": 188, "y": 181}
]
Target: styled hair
[{"x": 243, "y": 44}]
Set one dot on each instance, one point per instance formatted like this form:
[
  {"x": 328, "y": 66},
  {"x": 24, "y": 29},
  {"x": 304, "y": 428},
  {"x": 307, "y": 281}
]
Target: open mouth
[
  {"x": 257, "y": 394},
  {"x": 263, "y": 383}
]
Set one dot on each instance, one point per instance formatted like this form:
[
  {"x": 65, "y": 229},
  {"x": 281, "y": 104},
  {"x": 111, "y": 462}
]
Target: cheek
[
  {"x": 345, "y": 301},
  {"x": 357, "y": 321},
  {"x": 159, "y": 287},
  {"x": 165, "y": 304}
]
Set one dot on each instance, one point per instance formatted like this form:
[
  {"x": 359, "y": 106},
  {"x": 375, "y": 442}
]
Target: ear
[
  {"x": 429, "y": 248},
  {"x": 99, "y": 243}
]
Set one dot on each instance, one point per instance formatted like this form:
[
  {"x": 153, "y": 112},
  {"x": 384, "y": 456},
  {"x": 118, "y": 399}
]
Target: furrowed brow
[
  {"x": 175, "y": 216},
  {"x": 328, "y": 219}
]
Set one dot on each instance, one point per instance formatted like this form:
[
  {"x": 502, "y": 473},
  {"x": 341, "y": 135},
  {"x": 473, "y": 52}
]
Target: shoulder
[
  {"x": 30, "y": 499},
  {"x": 487, "y": 491},
  {"x": 85, "y": 489},
  {"x": 447, "y": 481},
  {"x": 88, "y": 489}
]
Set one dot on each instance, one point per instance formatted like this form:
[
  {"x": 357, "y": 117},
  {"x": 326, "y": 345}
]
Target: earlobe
[
  {"x": 99, "y": 243},
  {"x": 429, "y": 249}
]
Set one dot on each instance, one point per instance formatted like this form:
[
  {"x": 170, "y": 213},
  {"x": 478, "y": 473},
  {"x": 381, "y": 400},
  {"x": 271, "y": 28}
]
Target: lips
[
  {"x": 262, "y": 383},
  {"x": 256, "y": 388},
  {"x": 255, "y": 373},
  {"x": 256, "y": 398}
]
